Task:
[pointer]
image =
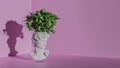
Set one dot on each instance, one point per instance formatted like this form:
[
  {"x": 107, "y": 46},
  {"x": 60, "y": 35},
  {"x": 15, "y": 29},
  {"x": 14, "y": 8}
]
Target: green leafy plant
[{"x": 42, "y": 21}]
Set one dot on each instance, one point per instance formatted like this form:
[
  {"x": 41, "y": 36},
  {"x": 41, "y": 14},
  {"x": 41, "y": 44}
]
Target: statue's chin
[{"x": 40, "y": 57}]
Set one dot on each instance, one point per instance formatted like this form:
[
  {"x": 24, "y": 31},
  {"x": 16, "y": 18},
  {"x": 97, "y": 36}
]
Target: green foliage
[{"x": 42, "y": 21}]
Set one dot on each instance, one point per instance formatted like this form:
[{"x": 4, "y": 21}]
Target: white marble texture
[{"x": 40, "y": 41}]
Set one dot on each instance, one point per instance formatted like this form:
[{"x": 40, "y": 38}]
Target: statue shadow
[{"x": 13, "y": 30}]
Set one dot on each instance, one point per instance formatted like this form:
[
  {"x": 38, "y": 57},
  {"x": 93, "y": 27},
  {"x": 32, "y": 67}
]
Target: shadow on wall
[{"x": 13, "y": 30}]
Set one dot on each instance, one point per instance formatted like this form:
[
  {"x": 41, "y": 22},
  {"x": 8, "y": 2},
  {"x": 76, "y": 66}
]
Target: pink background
[
  {"x": 86, "y": 27},
  {"x": 15, "y": 10}
]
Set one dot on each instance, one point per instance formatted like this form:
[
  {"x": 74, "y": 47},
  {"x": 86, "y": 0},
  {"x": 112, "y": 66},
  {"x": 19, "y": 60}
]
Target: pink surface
[
  {"x": 15, "y": 10},
  {"x": 59, "y": 61},
  {"x": 87, "y": 27}
]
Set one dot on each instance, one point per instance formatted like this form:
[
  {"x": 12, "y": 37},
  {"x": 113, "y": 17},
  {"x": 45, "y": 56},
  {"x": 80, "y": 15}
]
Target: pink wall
[
  {"x": 15, "y": 10},
  {"x": 86, "y": 28}
]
